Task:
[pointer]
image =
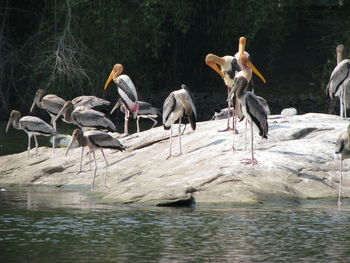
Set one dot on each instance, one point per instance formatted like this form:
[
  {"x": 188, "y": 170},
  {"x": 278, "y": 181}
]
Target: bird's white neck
[{"x": 246, "y": 72}]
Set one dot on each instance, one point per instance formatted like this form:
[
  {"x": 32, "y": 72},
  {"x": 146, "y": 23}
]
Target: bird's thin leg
[
  {"x": 36, "y": 145},
  {"x": 137, "y": 124},
  {"x": 81, "y": 160},
  {"x": 252, "y": 144},
  {"x": 228, "y": 128},
  {"x": 184, "y": 129},
  {"x": 53, "y": 122},
  {"x": 106, "y": 165},
  {"x": 245, "y": 135},
  {"x": 90, "y": 159},
  {"x": 341, "y": 105},
  {"x": 93, "y": 178},
  {"x": 155, "y": 122},
  {"x": 171, "y": 140},
  {"x": 180, "y": 135},
  {"x": 345, "y": 115},
  {"x": 340, "y": 181},
  {"x": 233, "y": 141},
  {"x": 53, "y": 143},
  {"x": 229, "y": 111},
  {"x": 126, "y": 121},
  {"x": 235, "y": 115},
  {"x": 28, "y": 148},
  {"x": 251, "y": 161}
]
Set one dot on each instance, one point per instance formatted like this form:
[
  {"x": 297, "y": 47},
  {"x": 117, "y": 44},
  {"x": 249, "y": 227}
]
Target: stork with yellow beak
[
  {"x": 127, "y": 93},
  {"x": 252, "y": 108}
]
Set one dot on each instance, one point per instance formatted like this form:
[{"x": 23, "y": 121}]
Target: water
[{"x": 57, "y": 225}]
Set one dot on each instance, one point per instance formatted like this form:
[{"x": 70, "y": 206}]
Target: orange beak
[
  {"x": 210, "y": 61},
  {"x": 109, "y": 79},
  {"x": 253, "y": 68},
  {"x": 241, "y": 48}
]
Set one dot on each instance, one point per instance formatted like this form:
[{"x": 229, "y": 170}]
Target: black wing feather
[
  {"x": 124, "y": 86},
  {"x": 257, "y": 114},
  {"x": 338, "y": 78},
  {"x": 168, "y": 107}
]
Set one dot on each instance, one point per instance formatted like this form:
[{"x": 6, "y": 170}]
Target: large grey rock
[{"x": 296, "y": 162}]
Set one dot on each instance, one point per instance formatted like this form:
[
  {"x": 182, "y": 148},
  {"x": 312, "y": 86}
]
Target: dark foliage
[{"x": 69, "y": 47}]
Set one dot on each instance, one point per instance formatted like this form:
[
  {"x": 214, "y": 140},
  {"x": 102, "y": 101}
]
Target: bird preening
[
  {"x": 227, "y": 67},
  {"x": 252, "y": 109}
]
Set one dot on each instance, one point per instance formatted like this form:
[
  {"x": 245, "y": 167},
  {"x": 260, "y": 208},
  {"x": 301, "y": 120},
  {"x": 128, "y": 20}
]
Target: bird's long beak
[
  {"x": 70, "y": 145},
  {"x": 213, "y": 65},
  {"x": 34, "y": 102},
  {"x": 8, "y": 124},
  {"x": 116, "y": 106},
  {"x": 109, "y": 79},
  {"x": 241, "y": 49},
  {"x": 254, "y": 69}
]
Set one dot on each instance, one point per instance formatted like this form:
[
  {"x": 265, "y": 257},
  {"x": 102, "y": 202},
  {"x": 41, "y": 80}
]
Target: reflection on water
[{"x": 56, "y": 225}]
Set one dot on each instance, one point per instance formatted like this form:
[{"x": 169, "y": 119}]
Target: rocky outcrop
[{"x": 297, "y": 161}]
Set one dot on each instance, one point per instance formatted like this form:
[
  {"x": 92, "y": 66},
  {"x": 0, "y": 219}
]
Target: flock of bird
[{"x": 236, "y": 72}]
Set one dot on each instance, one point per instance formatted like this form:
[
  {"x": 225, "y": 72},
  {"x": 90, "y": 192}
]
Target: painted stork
[
  {"x": 177, "y": 105},
  {"x": 227, "y": 67},
  {"x": 32, "y": 126},
  {"x": 127, "y": 92},
  {"x": 252, "y": 109},
  {"x": 339, "y": 82},
  {"x": 342, "y": 147},
  {"x": 95, "y": 140},
  {"x": 50, "y": 102},
  {"x": 146, "y": 110},
  {"x": 85, "y": 118},
  {"x": 53, "y": 104},
  {"x": 89, "y": 101}
]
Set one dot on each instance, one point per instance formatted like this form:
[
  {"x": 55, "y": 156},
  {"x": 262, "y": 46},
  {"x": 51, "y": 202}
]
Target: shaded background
[{"x": 69, "y": 47}]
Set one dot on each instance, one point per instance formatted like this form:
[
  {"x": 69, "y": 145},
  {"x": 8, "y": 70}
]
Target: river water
[{"x": 60, "y": 225}]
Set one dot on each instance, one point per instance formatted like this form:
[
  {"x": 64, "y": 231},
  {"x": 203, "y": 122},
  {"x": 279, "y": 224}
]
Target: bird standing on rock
[
  {"x": 95, "y": 140},
  {"x": 342, "y": 147},
  {"x": 339, "y": 81},
  {"x": 50, "y": 102},
  {"x": 84, "y": 117},
  {"x": 227, "y": 67},
  {"x": 252, "y": 109},
  {"x": 32, "y": 126},
  {"x": 177, "y": 105},
  {"x": 146, "y": 110},
  {"x": 127, "y": 92}
]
